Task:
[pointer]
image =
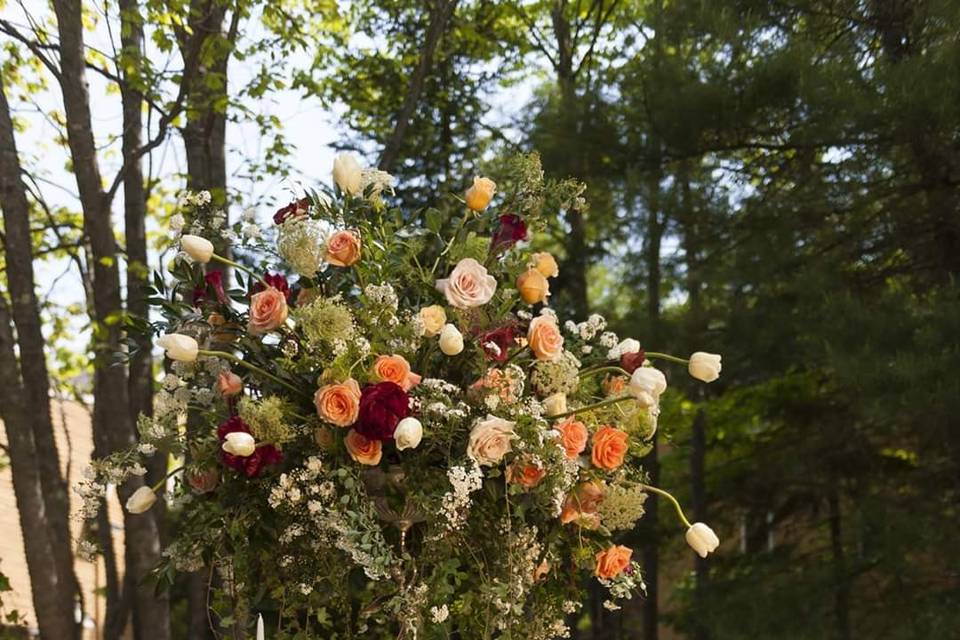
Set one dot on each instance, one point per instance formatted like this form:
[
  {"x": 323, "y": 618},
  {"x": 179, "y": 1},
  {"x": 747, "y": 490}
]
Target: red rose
[
  {"x": 503, "y": 337},
  {"x": 275, "y": 280},
  {"x": 630, "y": 362},
  {"x": 213, "y": 280},
  {"x": 297, "y": 207},
  {"x": 252, "y": 465},
  {"x": 382, "y": 406},
  {"x": 512, "y": 230}
]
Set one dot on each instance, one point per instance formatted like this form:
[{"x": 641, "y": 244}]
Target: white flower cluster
[
  {"x": 588, "y": 329},
  {"x": 382, "y": 295},
  {"x": 439, "y": 614},
  {"x": 302, "y": 243},
  {"x": 456, "y": 503}
]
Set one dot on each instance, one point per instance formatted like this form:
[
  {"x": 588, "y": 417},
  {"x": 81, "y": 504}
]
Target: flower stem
[
  {"x": 162, "y": 481},
  {"x": 589, "y": 407},
  {"x": 251, "y": 367},
  {"x": 666, "y": 356},
  {"x": 237, "y": 265},
  {"x": 600, "y": 369},
  {"x": 676, "y": 505}
]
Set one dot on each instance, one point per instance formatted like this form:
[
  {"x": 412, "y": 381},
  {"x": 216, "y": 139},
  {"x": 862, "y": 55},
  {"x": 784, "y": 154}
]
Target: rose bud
[
  {"x": 545, "y": 264},
  {"x": 702, "y": 539},
  {"x": 555, "y": 404},
  {"x": 479, "y": 195},
  {"x": 632, "y": 361},
  {"x": 179, "y": 347},
  {"x": 141, "y": 500},
  {"x": 200, "y": 249},
  {"x": 408, "y": 434},
  {"x": 451, "y": 340},
  {"x": 704, "y": 366},
  {"x": 347, "y": 173},
  {"x": 204, "y": 481},
  {"x": 229, "y": 384},
  {"x": 533, "y": 286},
  {"x": 646, "y": 384},
  {"x": 239, "y": 443}
]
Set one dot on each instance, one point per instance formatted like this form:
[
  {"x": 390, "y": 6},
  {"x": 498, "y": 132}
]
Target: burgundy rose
[
  {"x": 382, "y": 406},
  {"x": 630, "y": 362},
  {"x": 297, "y": 207},
  {"x": 212, "y": 280},
  {"x": 275, "y": 280},
  {"x": 252, "y": 465},
  {"x": 503, "y": 337},
  {"x": 512, "y": 230}
]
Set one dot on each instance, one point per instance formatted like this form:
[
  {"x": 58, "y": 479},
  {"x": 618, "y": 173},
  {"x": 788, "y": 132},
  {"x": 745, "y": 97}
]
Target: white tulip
[
  {"x": 347, "y": 173},
  {"x": 261, "y": 634},
  {"x": 702, "y": 539},
  {"x": 141, "y": 500},
  {"x": 555, "y": 404},
  {"x": 627, "y": 345},
  {"x": 200, "y": 249},
  {"x": 239, "y": 444},
  {"x": 704, "y": 366},
  {"x": 646, "y": 384},
  {"x": 179, "y": 347},
  {"x": 451, "y": 340},
  {"x": 408, "y": 434}
]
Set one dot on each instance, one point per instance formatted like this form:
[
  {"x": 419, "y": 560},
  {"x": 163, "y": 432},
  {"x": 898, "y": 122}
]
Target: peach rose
[
  {"x": 526, "y": 474},
  {"x": 229, "y": 384},
  {"x": 612, "y": 561},
  {"x": 573, "y": 436},
  {"x": 533, "y": 286},
  {"x": 545, "y": 264},
  {"x": 362, "y": 449},
  {"x": 343, "y": 248},
  {"x": 395, "y": 369},
  {"x": 609, "y": 447},
  {"x": 338, "y": 403},
  {"x": 544, "y": 338},
  {"x": 581, "y": 506},
  {"x": 268, "y": 310},
  {"x": 614, "y": 385},
  {"x": 479, "y": 195},
  {"x": 469, "y": 285},
  {"x": 490, "y": 440}
]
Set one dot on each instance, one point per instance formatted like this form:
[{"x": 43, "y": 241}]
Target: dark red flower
[
  {"x": 382, "y": 406},
  {"x": 212, "y": 280},
  {"x": 630, "y": 362},
  {"x": 512, "y": 230},
  {"x": 297, "y": 207},
  {"x": 252, "y": 465},
  {"x": 275, "y": 280},
  {"x": 503, "y": 337}
]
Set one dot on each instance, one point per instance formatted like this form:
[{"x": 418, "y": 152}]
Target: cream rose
[
  {"x": 469, "y": 285},
  {"x": 646, "y": 384},
  {"x": 433, "y": 319},
  {"x": 490, "y": 440},
  {"x": 451, "y": 340}
]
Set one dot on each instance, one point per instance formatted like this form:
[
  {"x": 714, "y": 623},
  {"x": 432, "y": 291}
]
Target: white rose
[
  {"x": 239, "y": 444},
  {"x": 200, "y": 249},
  {"x": 490, "y": 440},
  {"x": 451, "y": 340},
  {"x": 702, "y": 539},
  {"x": 646, "y": 384},
  {"x": 627, "y": 345},
  {"x": 704, "y": 366},
  {"x": 347, "y": 173},
  {"x": 141, "y": 500},
  {"x": 469, "y": 285},
  {"x": 555, "y": 404},
  {"x": 179, "y": 347},
  {"x": 408, "y": 434}
]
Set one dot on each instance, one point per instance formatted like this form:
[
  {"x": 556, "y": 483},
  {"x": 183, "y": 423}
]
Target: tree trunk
[
  {"x": 440, "y": 12},
  {"x": 40, "y": 488},
  {"x": 841, "y": 591},
  {"x": 112, "y": 412}
]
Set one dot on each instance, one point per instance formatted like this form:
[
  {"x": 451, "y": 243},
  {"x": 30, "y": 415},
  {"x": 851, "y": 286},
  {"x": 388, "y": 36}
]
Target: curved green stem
[
  {"x": 676, "y": 505},
  {"x": 237, "y": 265},
  {"x": 251, "y": 367},
  {"x": 590, "y": 407},
  {"x": 600, "y": 369},
  {"x": 156, "y": 486},
  {"x": 666, "y": 356}
]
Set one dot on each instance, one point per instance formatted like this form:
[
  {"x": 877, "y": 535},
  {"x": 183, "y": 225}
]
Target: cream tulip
[
  {"x": 200, "y": 249},
  {"x": 239, "y": 444},
  {"x": 261, "y": 634},
  {"x": 702, "y": 539},
  {"x": 646, "y": 384},
  {"x": 451, "y": 340},
  {"x": 347, "y": 173},
  {"x": 141, "y": 500},
  {"x": 408, "y": 434},
  {"x": 704, "y": 366},
  {"x": 179, "y": 347}
]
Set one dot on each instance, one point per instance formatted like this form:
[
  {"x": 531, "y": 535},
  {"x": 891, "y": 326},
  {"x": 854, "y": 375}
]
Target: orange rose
[
  {"x": 362, "y": 449},
  {"x": 268, "y": 310},
  {"x": 612, "y": 561},
  {"x": 343, "y": 248},
  {"x": 581, "y": 506},
  {"x": 573, "y": 436},
  {"x": 525, "y": 474},
  {"x": 229, "y": 384},
  {"x": 544, "y": 338},
  {"x": 338, "y": 403},
  {"x": 395, "y": 369},
  {"x": 609, "y": 447}
]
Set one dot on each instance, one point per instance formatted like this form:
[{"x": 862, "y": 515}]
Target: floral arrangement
[{"x": 383, "y": 429}]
